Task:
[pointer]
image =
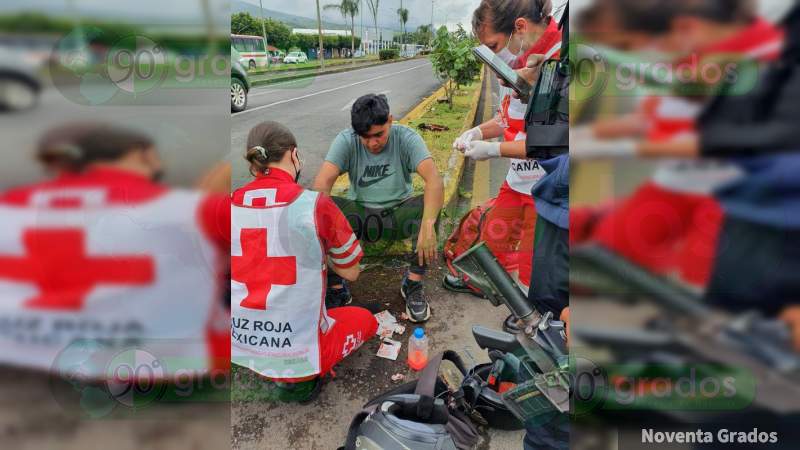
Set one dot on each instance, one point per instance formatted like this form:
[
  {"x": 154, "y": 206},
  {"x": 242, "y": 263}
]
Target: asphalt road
[
  {"x": 317, "y": 109},
  {"x": 190, "y": 126}
]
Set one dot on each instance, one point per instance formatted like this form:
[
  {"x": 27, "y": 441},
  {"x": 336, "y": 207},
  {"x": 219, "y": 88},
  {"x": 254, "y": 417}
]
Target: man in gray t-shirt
[{"x": 380, "y": 159}]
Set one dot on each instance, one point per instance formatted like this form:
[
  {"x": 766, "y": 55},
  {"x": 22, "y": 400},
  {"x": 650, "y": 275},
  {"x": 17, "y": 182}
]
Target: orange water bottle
[{"x": 418, "y": 350}]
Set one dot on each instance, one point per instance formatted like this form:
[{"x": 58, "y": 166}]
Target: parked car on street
[
  {"x": 295, "y": 57},
  {"x": 240, "y": 84}
]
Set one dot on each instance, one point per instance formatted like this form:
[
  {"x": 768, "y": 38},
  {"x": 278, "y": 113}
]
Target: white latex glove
[
  {"x": 462, "y": 142},
  {"x": 583, "y": 145},
  {"x": 482, "y": 150}
]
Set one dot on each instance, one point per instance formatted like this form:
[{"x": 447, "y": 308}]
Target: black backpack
[{"x": 421, "y": 414}]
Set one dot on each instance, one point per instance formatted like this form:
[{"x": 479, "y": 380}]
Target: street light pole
[
  {"x": 361, "y": 15},
  {"x": 430, "y": 37},
  {"x": 264, "y": 30}
]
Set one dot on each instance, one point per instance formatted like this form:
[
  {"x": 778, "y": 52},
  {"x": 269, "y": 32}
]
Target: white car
[{"x": 295, "y": 57}]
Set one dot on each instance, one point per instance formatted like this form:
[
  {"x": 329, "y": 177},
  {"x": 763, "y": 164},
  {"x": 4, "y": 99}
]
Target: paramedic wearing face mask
[
  {"x": 512, "y": 29},
  {"x": 103, "y": 252},
  {"x": 284, "y": 241}
]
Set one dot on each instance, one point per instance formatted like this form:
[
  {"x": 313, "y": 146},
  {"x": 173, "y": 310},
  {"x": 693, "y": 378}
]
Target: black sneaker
[
  {"x": 335, "y": 298},
  {"x": 416, "y": 304},
  {"x": 456, "y": 284}
]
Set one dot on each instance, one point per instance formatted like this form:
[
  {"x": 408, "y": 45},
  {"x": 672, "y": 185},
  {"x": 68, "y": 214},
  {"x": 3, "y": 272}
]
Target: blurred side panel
[{"x": 115, "y": 126}]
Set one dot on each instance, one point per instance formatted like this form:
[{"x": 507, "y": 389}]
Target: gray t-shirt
[{"x": 383, "y": 179}]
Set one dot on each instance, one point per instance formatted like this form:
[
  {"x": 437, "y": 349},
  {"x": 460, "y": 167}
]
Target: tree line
[{"x": 280, "y": 35}]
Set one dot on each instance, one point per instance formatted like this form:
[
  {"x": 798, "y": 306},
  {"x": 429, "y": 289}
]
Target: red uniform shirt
[
  {"x": 68, "y": 266},
  {"x": 126, "y": 188},
  {"x": 333, "y": 229},
  {"x": 548, "y": 44},
  {"x": 760, "y": 41}
]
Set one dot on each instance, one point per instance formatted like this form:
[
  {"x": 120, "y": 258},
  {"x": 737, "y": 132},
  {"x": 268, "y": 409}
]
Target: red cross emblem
[
  {"x": 258, "y": 271},
  {"x": 57, "y": 263}
]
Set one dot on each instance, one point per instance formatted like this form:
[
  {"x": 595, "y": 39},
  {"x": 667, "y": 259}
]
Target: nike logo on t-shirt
[{"x": 378, "y": 171}]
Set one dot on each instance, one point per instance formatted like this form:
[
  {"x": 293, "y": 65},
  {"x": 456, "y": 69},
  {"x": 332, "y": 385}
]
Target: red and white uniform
[
  {"x": 110, "y": 256},
  {"x": 673, "y": 220},
  {"x": 509, "y": 228},
  {"x": 281, "y": 239}
]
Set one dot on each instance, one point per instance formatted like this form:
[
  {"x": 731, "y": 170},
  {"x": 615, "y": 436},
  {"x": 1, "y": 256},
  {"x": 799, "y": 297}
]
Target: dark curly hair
[{"x": 369, "y": 110}]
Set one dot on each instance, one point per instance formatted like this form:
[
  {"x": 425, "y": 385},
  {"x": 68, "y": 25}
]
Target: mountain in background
[
  {"x": 289, "y": 19},
  {"x": 295, "y": 21}
]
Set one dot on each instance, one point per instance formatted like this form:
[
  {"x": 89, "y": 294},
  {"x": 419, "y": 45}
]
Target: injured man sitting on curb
[{"x": 380, "y": 158}]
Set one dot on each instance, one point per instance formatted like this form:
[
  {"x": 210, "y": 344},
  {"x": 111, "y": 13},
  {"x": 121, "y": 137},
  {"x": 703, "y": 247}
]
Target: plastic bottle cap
[{"x": 419, "y": 333}]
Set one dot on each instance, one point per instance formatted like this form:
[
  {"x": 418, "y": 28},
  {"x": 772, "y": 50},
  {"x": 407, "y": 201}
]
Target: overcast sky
[
  {"x": 444, "y": 11},
  {"x": 450, "y": 12},
  {"x": 179, "y": 11}
]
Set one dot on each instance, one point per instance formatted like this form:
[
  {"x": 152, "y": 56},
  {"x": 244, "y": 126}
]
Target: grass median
[{"x": 282, "y": 67}]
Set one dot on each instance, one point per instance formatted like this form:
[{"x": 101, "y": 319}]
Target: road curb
[
  {"x": 346, "y": 68},
  {"x": 455, "y": 165},
  {"x": 481, "y": 174}
]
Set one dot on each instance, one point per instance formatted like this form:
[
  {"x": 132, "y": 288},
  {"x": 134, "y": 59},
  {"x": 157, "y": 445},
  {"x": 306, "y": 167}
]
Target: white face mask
[{"x": 507, "y": 55}]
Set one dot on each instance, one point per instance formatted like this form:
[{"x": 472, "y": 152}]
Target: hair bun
[{"x": 261, "y": 151}]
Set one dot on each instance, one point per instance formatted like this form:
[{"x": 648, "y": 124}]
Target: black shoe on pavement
[
  {"x": 456, "y": 284},
  {"x": 417, "y": 306},
  {"x": 335, "y": 298}
]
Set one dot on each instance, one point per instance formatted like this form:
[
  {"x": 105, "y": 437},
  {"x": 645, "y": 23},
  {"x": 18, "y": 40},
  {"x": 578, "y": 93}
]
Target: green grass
[
  {"x": 440, "y": 143},
  {"x": 280, "y": 67},
  {"x": 247, "y": 386}
]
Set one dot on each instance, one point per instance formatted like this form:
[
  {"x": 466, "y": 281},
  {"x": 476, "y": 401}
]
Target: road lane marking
[
  {"x": 325, "y": 91},
  {"x": 270, "y": 88}
]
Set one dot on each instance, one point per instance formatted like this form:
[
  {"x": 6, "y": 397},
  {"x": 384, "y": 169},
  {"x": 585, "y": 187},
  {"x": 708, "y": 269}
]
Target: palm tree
[
  {"x": 423, "y": 33},
  {"x": 403, "y": 13},
  {"x": 348, "y": 8},
  {"x": 321, "y": 53},
  {"x": 373, "y": 9}
]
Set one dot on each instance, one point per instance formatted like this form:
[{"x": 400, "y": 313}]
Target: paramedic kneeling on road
[
  {"x": 282, "y": 239},
  {"x": 380, "y": 158}
]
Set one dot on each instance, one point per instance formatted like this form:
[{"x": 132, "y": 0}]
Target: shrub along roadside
[
  {"x": 453, "y": 60},
  {"x": 389, "y": 53}
]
